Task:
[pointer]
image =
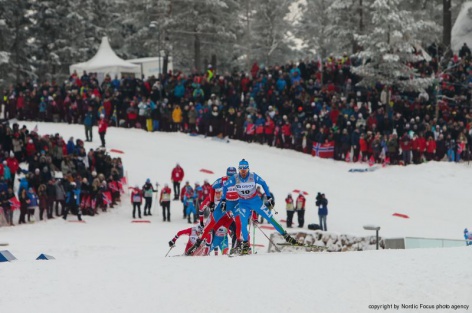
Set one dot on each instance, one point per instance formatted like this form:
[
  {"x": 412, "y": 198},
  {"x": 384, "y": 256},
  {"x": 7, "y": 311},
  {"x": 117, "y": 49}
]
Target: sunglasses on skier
[{"x": 244, "y": 167}]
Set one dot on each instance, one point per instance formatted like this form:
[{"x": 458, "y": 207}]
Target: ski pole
[
  {"x": 271, "y": 207},
  {"x": 169, "y": 251},
  {"x": 270, "y": 240},
  {"x": 254, "y": 240}
]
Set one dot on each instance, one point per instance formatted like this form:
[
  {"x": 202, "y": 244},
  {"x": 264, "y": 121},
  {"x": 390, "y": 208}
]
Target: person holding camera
[{"x": 322, "y": 204}]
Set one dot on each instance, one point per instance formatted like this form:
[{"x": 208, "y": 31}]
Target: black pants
[
  {"x": 147, "y": 205},
  {"x": 23, "y": 211},
  {"x": 166, "y": 210},
  {"x": 102, "y": 138},
  {"x": 301, "y": 217},
  {"x": 50, "y": 206},
  {"x": 41, "y": 212},
  {"x": 290, "y": 218},
  {"x": 72, "y": 207},
  {"x": 176, "y": 190},
  {"x": 88, "y": 133},
  {"x": 136, "y": 205},
  {"x": 63, "y": 204}
]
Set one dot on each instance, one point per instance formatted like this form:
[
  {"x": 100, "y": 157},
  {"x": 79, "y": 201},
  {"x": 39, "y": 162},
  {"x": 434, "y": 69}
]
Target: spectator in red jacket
[
  {"x": 177, "y": 177},
  {"x": 136, "y": 200},
  {"x": 269, "y": 129},
  {"x": 102, "y": 129},
  {"x": 430, "y": 148},
  {"x": 300, "y": 208},
  {"x": 13, "y": 165}
]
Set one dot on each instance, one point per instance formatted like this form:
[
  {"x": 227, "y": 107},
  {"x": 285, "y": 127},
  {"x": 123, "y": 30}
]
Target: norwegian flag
[
  {"x": 107, "y": 197},
  {"x": 14, "y": 203},
  {"x": 325, "y": 150}
]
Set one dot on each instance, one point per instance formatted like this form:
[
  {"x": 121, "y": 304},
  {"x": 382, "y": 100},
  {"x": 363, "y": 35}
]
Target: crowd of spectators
[
  {"x": 290, "y": 106},
  {"x": 46, "y": 176}
]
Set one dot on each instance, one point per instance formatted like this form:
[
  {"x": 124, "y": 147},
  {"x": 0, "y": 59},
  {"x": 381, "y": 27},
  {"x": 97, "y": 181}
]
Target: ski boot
[
  {"x": 290, "y": 239},
  {"x": 245, "y": 249},
  {"x": 236, "y": 249},
  {"x": 192, "y": 249}
]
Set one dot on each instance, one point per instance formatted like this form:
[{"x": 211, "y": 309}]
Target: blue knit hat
[
  {"x": 243, "y": 164},
  {"x": 230, "y": 171}
]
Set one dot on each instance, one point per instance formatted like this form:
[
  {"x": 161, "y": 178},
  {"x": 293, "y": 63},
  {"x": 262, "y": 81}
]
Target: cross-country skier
[
  {"x": 220, "y": 218},
  {"x": 192, "y": 233},
  {"x": 246, "y": 183}
]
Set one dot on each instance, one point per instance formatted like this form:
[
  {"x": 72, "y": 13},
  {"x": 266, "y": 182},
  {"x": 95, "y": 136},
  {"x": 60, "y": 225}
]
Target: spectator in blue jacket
[
  {"x": 73, "y": 200},
  {"x": 89, "y": 121}
]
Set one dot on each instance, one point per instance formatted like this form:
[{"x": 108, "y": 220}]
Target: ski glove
[
  {"x": 211, "y": 205},
  {"x": 223, "y": 205},
  {"x": 270, "y": 202},
  {"x": 171, "y": 243}
]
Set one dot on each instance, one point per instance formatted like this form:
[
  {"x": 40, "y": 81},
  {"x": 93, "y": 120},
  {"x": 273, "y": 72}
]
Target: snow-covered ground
[{"x": 112, "y": 265}]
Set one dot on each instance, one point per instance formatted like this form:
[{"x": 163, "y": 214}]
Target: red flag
[
  {"x": 371, "y": 161},
  {"x": 14, "y": 203},
  {"x": 107, "y": 197},
  {"x": 325, "y": 151},
  {"x": 124, "y": 181}
]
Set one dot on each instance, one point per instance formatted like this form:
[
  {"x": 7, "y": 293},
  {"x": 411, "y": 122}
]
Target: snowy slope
[{"x": 112, "y": 265}]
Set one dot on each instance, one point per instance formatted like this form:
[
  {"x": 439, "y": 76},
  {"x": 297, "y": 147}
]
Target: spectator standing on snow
[
  {"x": 322, "y": 204},
  {"x": 289, "y": 206},
  {"x": 177, "y": 177},
  {"x": 89, "y": 121},
  {"x": 102, "y": 129},
  {"x": 164, "y": 201},
  {"x": 300, "y": 208},
  {"x": 136, "y": 200},
  {"x": 148, "y": 191}
]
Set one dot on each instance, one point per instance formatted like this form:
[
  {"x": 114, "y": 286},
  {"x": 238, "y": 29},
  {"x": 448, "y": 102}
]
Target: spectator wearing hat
[
  {"x": 290, "y": 207},
  {"x": 148, "y": 190},
  {"x": 72, "y": 201}
]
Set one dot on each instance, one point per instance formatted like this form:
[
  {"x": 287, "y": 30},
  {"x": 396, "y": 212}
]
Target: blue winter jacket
[{"x": 323, "y": 207}]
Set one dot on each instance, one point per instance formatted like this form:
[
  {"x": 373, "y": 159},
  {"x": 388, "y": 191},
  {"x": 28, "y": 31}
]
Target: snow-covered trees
[{"x": 390, "y": 48}]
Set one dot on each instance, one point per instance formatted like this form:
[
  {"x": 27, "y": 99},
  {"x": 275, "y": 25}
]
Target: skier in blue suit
[{"x": 246, "y": 183}]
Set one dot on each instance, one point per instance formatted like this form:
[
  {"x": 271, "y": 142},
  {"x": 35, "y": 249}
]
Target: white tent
[
  {"x": 105, "y": 62},
  {"x": 462, "y": 30}
]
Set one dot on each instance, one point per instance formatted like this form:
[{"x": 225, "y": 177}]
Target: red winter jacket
[
  {"x": 136, "y": 196},
  {"x": 431, "y": 146},
  {"x": 13, "y": 165},
  {"x": 177, "y": 174},
  {"x": 269, "y": 127},
  {"x": 102, "y": 126},
  {"x": 286, "y": 131}
]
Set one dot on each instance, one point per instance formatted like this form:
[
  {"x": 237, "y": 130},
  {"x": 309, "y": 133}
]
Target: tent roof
[{"x": 105, "y": 61}]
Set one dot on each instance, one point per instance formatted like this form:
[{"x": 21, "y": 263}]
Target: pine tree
[
  {"x": 314, "y": 27},
  {"x": 15, "y": 62},
  {"x": 268, "y": 30},
  {"x": 389, "y": 48}
]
